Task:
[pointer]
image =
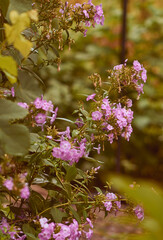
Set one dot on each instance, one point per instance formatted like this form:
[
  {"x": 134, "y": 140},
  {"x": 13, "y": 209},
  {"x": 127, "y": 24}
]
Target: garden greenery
[{"x": 44, "y": 193}]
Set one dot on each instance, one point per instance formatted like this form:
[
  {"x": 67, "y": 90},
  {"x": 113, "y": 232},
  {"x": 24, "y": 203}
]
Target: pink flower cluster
[
  {"x": 10, "y": 231},
  {"x": 24, "y": 192},
  {"x": 62, "y": 231},
  {"x": 115, "y": 119},
  {"x": 137, "y": 79},
  {"x": 110, "y": 199},
  {"x": 40, "y": 109},
  {"x": 88, "y": 12},
  {"x": 69, "y": 152}
]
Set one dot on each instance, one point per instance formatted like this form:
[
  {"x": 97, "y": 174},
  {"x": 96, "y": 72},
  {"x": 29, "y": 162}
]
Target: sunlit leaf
[
  {"x": 8, "y": 66},
  {"x": 14, "y": 32}
]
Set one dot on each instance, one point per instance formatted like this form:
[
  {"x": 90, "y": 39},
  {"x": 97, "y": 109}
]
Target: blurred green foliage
[
  {"x": 101, "y": 49},
  {"x": 151, "y": 196}
]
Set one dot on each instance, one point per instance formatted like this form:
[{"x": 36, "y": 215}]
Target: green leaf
[
  {"x": 36, "y": 202},
  {"x": 65, "y": 119},
  {"x": 148, "y": 193},
  {"x": 9, "y": 67},
  {"x": 10, "y": 110},
  {"x": 71, "y": 174},
  {"x": 98, "y": 189},
  {"x": 76, "y": 215},
  {"x": 57, "y": 214},
  {"x": 29, "y": 231},
  {"x": 14, "y": 139},
  {"x": 29, "y": 88}
]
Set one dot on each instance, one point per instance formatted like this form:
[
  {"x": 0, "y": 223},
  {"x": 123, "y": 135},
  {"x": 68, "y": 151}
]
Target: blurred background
[{"x": 101, "y": 50}]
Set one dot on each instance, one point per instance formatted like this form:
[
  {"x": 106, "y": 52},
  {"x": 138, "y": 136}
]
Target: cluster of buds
[
  {"x": 18, "y": 185},
  {"x": 61, "y": 17},
  {"x": 124, "y": 78}
]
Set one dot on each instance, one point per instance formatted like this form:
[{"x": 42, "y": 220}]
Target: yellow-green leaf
[
  {"x": 8, "y": 66},
  {"x": 14, "y": 32}
]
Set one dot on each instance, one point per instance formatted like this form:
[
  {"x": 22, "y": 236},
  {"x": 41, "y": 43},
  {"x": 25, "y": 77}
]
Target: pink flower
[
  {"x": 139, "y": 212},
  {"x": 40, "y": 118},
  {"x": 12, "y": 92},
  {"x": 25, "y": 193},
  {"x": 8, "y": 183},
  {"x": 129, "y": 103},
  {"x": 91, "y": 97},
  {"x": 144, "y": 75},
  {"x": 118, "y": 67},
  {"x": 137, "y": 66},
  {"x": 23, "y": 105},
  {"x": 86, "y": 13},
  {"x": 108, "y": 204},
  {"x": 96, "y": 115}
]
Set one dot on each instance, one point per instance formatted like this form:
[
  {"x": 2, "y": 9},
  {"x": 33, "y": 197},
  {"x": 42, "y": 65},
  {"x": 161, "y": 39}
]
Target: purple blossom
[
  {"x": 56, "y": 152},
  {"x": 6, "y": 229},
  {"x": 12, "y": 92},
  {"x": 118, "y": 67},
  {"x": 139, "y": 212},
  {"x": 43, "y": 222},
  {"x": 98, "y": 148},
  {"x": 25, "y": 193},
  {"x": 52, "y": 119},
  {"x": 63, "y": 233},
  {"x": 23, "y": 105},
  {"x": 74, "y": 230},
  {"x": 86, "y": 14},
  {"x": 111, "y": 137},
  {"x": 90, "y": 223},
  {"x": 144, "y": 75},
  {"x": 91, "y": 97},
  {"x": 109, "y": 127},
  {"x": 38, "y": 103},
  {"x": 87, "y": 23},
  {"x": 111, "y": 197},
  {"x": 65, "y": 146},
  {"x": 96, "y": 116},
  {"x": 79, "y": 122},
  {"x": 8, "y": 183},
  {"x": 137, "y": 66},
  {"x": 89, "y": 234},
  {"x": 40, "y": 118},
  {"x": 129, "y": 103},
  {"x": 85, "y": 32}
]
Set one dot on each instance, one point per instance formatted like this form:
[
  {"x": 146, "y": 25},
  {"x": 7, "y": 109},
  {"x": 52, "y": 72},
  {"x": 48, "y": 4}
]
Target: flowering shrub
[{"x": 45, "y": 195}]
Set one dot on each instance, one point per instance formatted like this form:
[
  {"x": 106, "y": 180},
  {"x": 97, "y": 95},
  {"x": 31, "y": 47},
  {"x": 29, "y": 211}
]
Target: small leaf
[
  {"x": 76, "y": 215},
  {"x": 57, "y": 214},
  {"x": 98, "y": 189},
  {"x": 71, "y": 174},
  {"x": 8, "y": 66},
  {"x": 65, "y": 119}
]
